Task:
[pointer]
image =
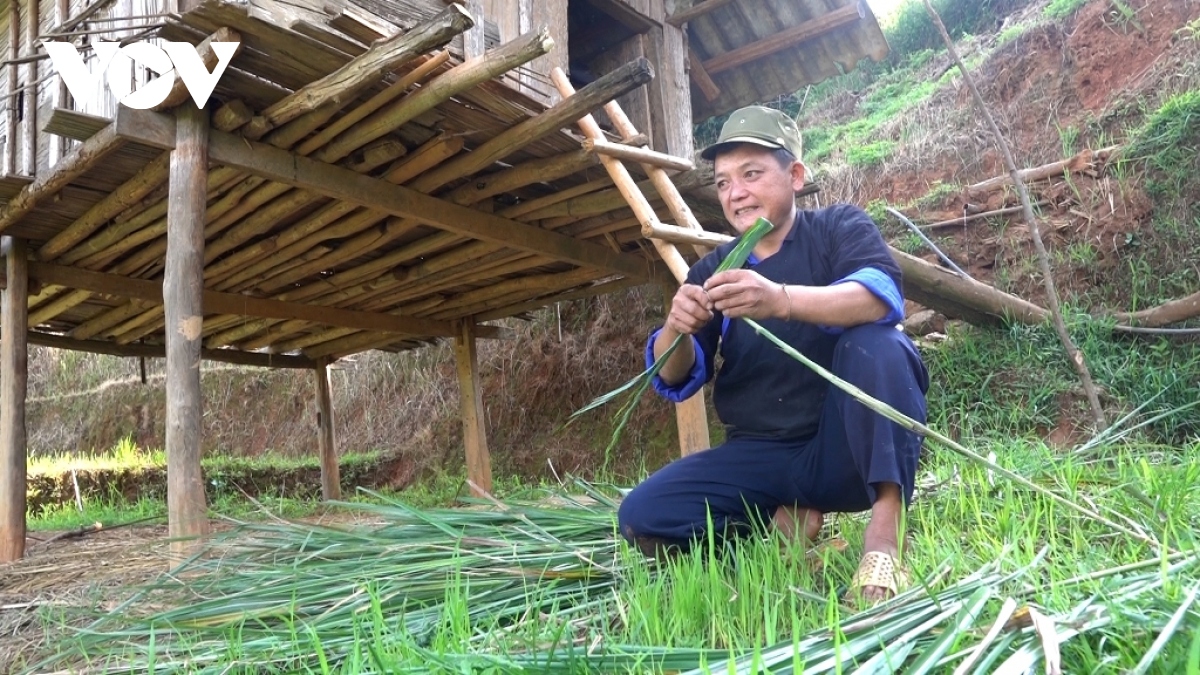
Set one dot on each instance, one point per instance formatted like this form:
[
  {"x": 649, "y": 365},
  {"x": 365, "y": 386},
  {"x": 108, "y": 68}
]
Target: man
[{"x": 796, "y": 447}]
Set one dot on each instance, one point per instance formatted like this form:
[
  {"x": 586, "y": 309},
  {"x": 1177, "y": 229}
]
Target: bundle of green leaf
[{"x": 638, "y": 385}]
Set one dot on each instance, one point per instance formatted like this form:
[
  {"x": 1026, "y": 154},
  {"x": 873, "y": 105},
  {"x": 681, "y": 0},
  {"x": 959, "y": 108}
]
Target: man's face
[{"x": 751, "y": 184}]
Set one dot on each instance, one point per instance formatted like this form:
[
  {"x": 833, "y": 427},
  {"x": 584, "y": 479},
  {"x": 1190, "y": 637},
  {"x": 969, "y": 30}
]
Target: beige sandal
[{"x": 880, "y": 570}]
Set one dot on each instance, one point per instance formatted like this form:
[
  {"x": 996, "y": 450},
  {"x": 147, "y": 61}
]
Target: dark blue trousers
[{"x": 741, "y": 482}]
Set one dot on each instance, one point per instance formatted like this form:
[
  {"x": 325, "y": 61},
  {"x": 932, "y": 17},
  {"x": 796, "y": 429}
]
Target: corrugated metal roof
[{"x": 816, "y": 40}]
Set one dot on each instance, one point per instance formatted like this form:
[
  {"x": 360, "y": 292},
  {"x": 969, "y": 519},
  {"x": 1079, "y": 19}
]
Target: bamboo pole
[
  {"x": 14, "y": 376},
  {"x": 182, "y": 288},
  {"x": 642, "y": 156},
  {"x": 331, "y": 484},
  {"x": 624, "y": 182}
]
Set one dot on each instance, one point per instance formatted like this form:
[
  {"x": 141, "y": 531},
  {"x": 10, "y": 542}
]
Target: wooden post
[
  {"x": 691, "y": 416},
  {"x": 29, "y": 122},
  {"x": 479, "y": 464},
  {"x": 331, "y": 481},
  {"x": 473, "y": 39},
  {"x": 14, "y": 374},
  {"x": 10, "y": 117},
  {"x": 59, "y": 144},
  {"x": 183, "y": 286}
]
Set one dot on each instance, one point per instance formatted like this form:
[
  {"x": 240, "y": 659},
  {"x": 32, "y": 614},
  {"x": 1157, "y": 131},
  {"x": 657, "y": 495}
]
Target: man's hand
[
  {"x": 691, "y": 310},
  {"x": 746, "y": 293}
]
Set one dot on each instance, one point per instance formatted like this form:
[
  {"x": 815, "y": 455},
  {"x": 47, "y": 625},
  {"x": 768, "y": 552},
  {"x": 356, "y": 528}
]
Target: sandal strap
[{"x": 881, "y": 570}]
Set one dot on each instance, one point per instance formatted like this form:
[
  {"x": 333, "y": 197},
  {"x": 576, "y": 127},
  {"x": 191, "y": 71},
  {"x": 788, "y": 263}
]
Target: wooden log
[
  {"x": 1165, "y": 314},
  {"x": 946, "y": 224},
  {"x": 620, "y": 176},
  {"x": 423, "y": 70},
  {"x": 370, "y": 157},
  {"x": 182, "y": 294},
  {"x": 61, "y": 304},
  {"x": 532, "y": 171},
  {"x": 702, "y": 78},
  {"x": 538, "y": 283},
  {"x": 129, "y": 193},
  {"x": 1084, "y": 161},
  {"x": 479, "y": 464},
  {"x": 345, "y": 83},
  {"x": 14, "y": 378},
  {"x": 697, "y": 10},
  {"x": 158, "y": 351},
  {"x": 49, "y": 183},
  {"x": 523, "y": 210},
  {"x": 208, "y": 57},
  {"x": 602, "y": 287},
  {"x": 787, "y": 38},
  {"x": 962, "y": 298},
  {"x": 156, "y": 130},
  {"x": 624, "y": 79},
  {"x": 331, "y": 482},
  {"x": 640, "y": 155},
  {"x": 456, "y": 80},
  {"x": 105, "y": 320}
]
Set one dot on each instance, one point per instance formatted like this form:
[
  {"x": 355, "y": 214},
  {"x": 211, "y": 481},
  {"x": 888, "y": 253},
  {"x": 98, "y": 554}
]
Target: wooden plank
[
  {"x": 245, "y": 305},
  {"x": 182, "y": 294},
  {"x": 75, "y": 125},
  {"x": 14, "y": 379},
  {"x": 83, "y": 158},
  {"x": 479, "y": 463},
  {"x": 31, "y": 18},
  {"x": 11, "y": 124},
  {"x": 697, "y": 10},
  {"x": 331, "y": 482},
  {"x": 156, "y": 130},
  {"x": 11, "y": 186},
  {"x": 144, "y": 350},
  {"x": 788, "y": 38}
]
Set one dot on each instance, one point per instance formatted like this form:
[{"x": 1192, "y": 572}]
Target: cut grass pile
[{"x": 546, "y": 587}]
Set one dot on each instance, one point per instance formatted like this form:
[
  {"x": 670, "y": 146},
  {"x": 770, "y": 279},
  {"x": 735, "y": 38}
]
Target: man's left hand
[{"x": 746, "y": 293}]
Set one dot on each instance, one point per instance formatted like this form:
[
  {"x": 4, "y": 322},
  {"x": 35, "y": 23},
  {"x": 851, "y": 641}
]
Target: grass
[
  {"x": 1061, "y": 9},
  {"x": 549, "y": 590}
]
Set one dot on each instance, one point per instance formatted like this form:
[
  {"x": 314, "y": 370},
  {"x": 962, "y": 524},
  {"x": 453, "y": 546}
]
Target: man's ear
[{"x": 799, "y": 174}]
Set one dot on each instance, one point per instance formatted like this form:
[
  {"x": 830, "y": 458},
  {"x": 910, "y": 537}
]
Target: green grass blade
[{"x": 1168, "y": 630}]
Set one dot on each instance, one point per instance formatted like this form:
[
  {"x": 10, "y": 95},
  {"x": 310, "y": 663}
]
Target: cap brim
[{"x": 711, "y": 151}]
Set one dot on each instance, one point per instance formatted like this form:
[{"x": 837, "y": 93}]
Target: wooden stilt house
[{"x": 367, "y": 174}]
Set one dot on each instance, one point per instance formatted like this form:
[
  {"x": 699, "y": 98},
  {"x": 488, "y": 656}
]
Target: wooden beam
[
  {"x": 157, "y": 130},
  {"x": 787, "y": 38},
  {"x": 640, "y": 155},
  {"x": 244, "y": 305},
  {"x": 14, "y": 378},
  {"x": 684, "y": 235},
  {"x": 479, "y": 463},
  {"x": 182, "y": 293},
  {"x": 697, "y": 10},
  {"x": 71, "y": 167},
  {"x": 144, "y": 350},
  {"x": 331, "y": 482},
  {"x": 702, "y": 78}
]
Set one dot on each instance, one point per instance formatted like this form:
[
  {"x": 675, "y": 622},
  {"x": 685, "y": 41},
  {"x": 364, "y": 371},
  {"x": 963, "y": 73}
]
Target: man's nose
[{"x": 737, "y": 190}]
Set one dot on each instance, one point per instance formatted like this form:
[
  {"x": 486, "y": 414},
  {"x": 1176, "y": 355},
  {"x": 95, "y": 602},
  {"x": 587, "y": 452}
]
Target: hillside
[{"x": 1063, "y": 76}]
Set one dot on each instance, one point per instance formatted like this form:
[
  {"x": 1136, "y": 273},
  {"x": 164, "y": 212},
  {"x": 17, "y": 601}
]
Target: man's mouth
[{"x": 744, "y": 210}]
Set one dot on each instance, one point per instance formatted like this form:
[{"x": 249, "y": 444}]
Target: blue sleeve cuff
[
  {"x": 881, "y": 286},
  {"x": 696, "y": 378}
]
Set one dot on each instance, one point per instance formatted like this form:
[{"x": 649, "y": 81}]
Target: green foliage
[
  {"x": 871, "y": 154},
  {"x": 1059, "y": 9},
  {"x": 1168, "y": 144},
  {"x": 911, "y": 30}
]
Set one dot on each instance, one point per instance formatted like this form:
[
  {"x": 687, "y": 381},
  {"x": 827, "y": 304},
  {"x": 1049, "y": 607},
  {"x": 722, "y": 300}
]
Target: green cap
[{"x": 759, "y": 125}]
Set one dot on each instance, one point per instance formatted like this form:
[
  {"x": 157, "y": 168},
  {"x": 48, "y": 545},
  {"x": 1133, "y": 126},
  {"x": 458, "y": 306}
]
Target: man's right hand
[{"x": 691, "y": 310}]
